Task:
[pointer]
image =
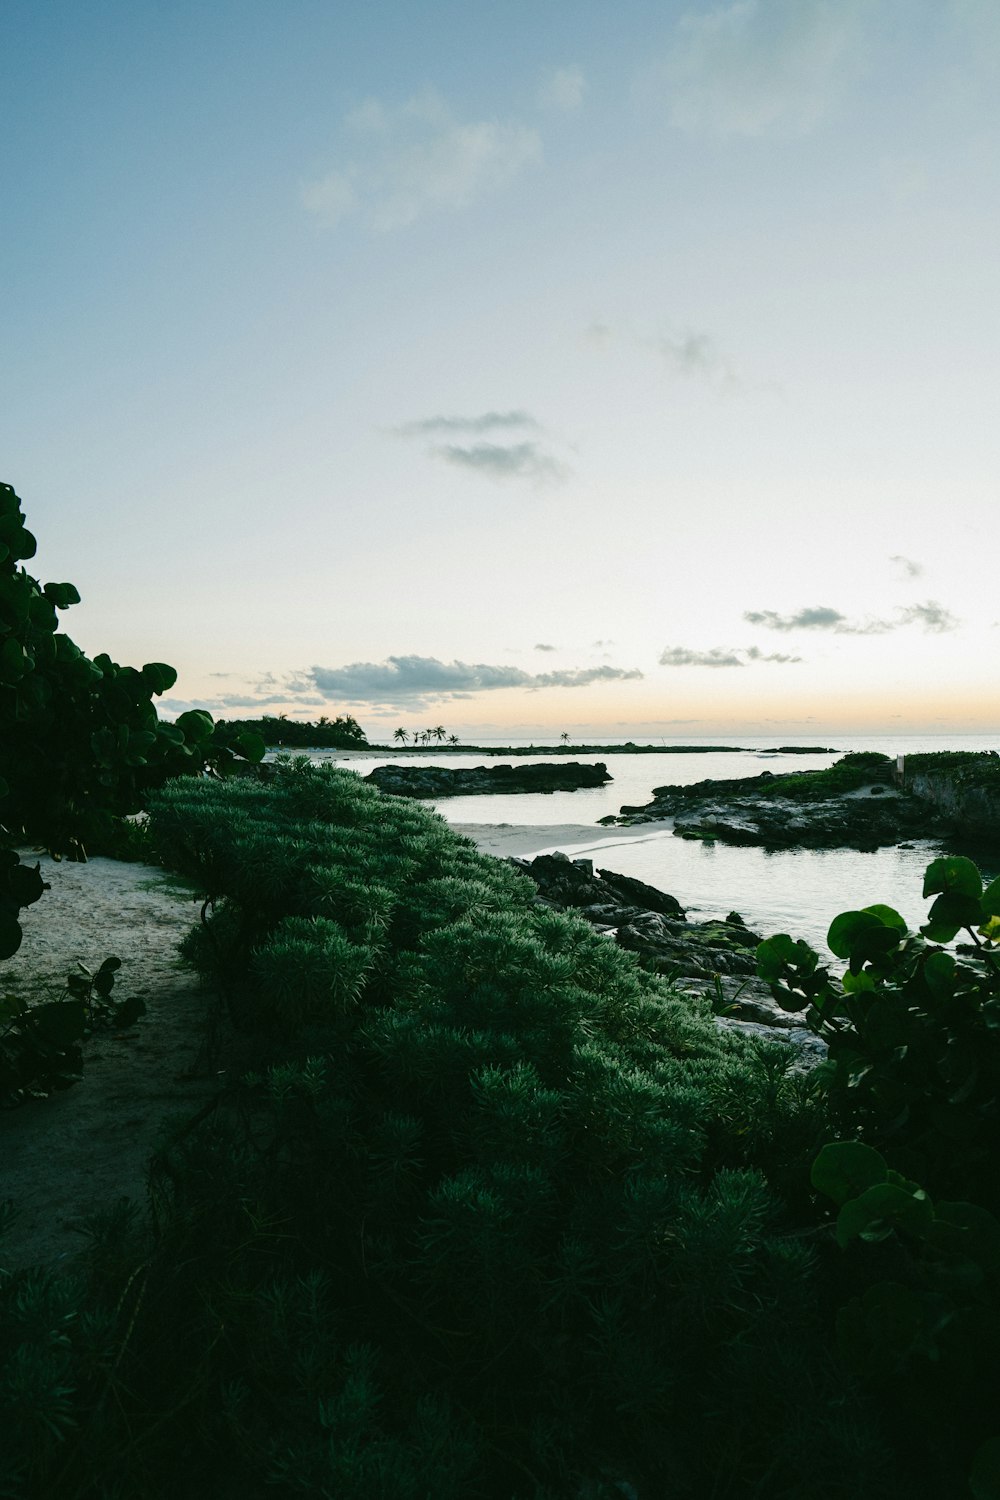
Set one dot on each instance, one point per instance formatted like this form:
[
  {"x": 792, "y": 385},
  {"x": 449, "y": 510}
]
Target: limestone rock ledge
[{"x": 434, "y": 782}]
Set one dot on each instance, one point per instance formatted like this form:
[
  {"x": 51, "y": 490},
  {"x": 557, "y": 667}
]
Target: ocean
[{"x": 794, "y": 891}]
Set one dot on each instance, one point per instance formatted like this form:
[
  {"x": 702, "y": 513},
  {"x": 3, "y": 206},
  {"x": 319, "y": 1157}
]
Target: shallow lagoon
[{"x": 795, "y": 891}]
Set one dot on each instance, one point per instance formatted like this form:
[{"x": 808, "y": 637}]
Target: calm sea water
[{"x": 797, "y": 891}]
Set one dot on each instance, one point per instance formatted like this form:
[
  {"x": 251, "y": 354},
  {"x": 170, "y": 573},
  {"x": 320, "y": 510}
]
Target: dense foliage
[
  {"x": 341, "y": 733},
  {"x": 913, "y": 1030},
  {"x": 493, "y": 1215},
  {"x": 81, "y": 746}
]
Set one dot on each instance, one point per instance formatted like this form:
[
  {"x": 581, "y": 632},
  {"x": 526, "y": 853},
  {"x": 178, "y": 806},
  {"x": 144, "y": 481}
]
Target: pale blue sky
[{"x": 354, "y": 352}]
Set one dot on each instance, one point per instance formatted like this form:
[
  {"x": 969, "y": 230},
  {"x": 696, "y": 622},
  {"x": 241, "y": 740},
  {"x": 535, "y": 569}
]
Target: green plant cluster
[
  {"x": 40, "y": 1045},
  {"x": 913, "y": 1030},
  {"x": 494, "y": 1214}
]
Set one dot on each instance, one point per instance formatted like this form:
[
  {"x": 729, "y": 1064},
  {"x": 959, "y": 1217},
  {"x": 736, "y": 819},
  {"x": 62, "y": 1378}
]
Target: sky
[{"x": 520, "y": 366}]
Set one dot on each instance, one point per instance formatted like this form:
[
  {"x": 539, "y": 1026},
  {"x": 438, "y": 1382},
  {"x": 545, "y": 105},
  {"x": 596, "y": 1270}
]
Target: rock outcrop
[
  {"x": 435, "y": 782},
  {"x": 853, "y": 806},
  {"x": 715, "y": 958},
  {"x": 964, "y": 789}
]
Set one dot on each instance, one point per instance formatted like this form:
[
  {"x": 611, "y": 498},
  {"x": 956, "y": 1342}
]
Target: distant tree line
[
  {"x": 425, "y": 736},
  {"x": 278, "y": 731}
]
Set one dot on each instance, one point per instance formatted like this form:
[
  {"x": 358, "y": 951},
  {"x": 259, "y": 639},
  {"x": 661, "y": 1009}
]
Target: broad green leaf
[
  {"x": 251, "y": 746},
  {"x": 776, "y": 952},
  {"x": 888, "y": 916},
  {"x": 880, "y": 1210},
  {"x": 10, "y": 935},
  {"x": 159, "y": 676},
  {"x": 196, "y": 725},
  {"x": 847, "y": 928},
  {"x": 990, "y": 899},
  {"x": 60, "y": 1022},
  {"x": 939, "y": 975},
  {"x": 62, "y": 595},
  {"x": 858, "y": 984},
  {"x": 949, "y": 913},
  {"x": 954, "y": 874},
  {"x": 843, "y": 1169}
]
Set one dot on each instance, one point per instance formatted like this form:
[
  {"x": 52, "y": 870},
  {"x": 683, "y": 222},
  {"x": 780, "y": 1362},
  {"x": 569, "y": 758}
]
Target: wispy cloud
[
  {"x": 907, "y": 565},
  {"x": 563, "y": 90},
  {"x": 488, "y": 421},
  {"x": 812, "y": 617},
  {"x": 400, "y": 162},
  {"x": 527, "y": 459},
  {"x": 761, "y": 67},
  {"x": 543, "y": 646},
  {"x": 255, "y": 702},
  {"x": 693, "y": 354},
  {"x": 415, "y": 681},
  {"x": 683, "y": 656},
  {"x": 754, "y": 653},
  {"x": 719, "y": 656},
  {"x": 686, "y": 353},
  {"x": 513, "y": 461},
  {"x": 931, "y": 615}
]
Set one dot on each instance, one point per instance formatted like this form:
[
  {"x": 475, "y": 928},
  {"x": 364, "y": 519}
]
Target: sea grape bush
[
  {"x": 41, "y": 1044},
  {"x": 913, "y": 1030},
  {"x": 80, "y": 741}
]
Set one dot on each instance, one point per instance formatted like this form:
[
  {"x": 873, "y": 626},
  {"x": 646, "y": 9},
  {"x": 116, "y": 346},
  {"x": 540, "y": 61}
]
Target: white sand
[{"x": 524, "y": 840}]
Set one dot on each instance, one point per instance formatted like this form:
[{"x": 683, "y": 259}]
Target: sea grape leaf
[
  {"x": 196, "y": 725},
  {"x": 990, "y": 899},
  {"x": 158, "y": 676},
  {"x": 781, "y": 950},
  {"x": 843, "y": 1169},
  {"x": 60, "y": 1022},
  {"x": 939, "y": 975},
  {"x": 10, "y": 935},
  {"x": 954, "y": 874},
  {"x": 847, "y": 928},
  {"x": 62, "y": 595},
  {"x": 888, "y": 916},
  {"x": 880, "y": 1210}
]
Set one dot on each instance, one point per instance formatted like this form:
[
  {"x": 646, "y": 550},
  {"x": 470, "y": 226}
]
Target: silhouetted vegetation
[{"x": 342, "y": 733}]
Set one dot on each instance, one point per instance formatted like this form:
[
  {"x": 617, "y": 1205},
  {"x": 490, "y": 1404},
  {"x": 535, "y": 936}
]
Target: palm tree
[
  {"x": 453, "y": 739},
  {"x": 565, "y": 737},
  {"x": 401, "y": 735},
  {"x": 440, "y": 734}
]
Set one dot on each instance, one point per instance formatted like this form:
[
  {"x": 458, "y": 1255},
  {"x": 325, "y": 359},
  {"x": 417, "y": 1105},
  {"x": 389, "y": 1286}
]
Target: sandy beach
[{"x": 523, "y": 840}]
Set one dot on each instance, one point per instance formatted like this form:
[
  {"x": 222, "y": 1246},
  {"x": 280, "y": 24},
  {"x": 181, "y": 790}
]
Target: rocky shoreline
[
  {"x": 854, "y": 805},
  {"x": 435, "y": 782},
  {"x": 714, "y": 959}
]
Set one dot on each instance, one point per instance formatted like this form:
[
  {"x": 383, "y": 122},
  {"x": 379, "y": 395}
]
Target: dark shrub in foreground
[{"x": 494, "y": 1216}]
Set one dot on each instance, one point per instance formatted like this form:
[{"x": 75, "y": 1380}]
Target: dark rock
[
  {"x": 462, "y": 781},
  {"x": 640, "y": 894},
  {"x": 710, "y": 960}
]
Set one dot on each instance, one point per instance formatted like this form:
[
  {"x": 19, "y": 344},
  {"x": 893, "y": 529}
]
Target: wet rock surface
[
  {"x": 714, "y": 958},
  {"x": 746, "y": 811},
  {"x": 463, "y": 781}
]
